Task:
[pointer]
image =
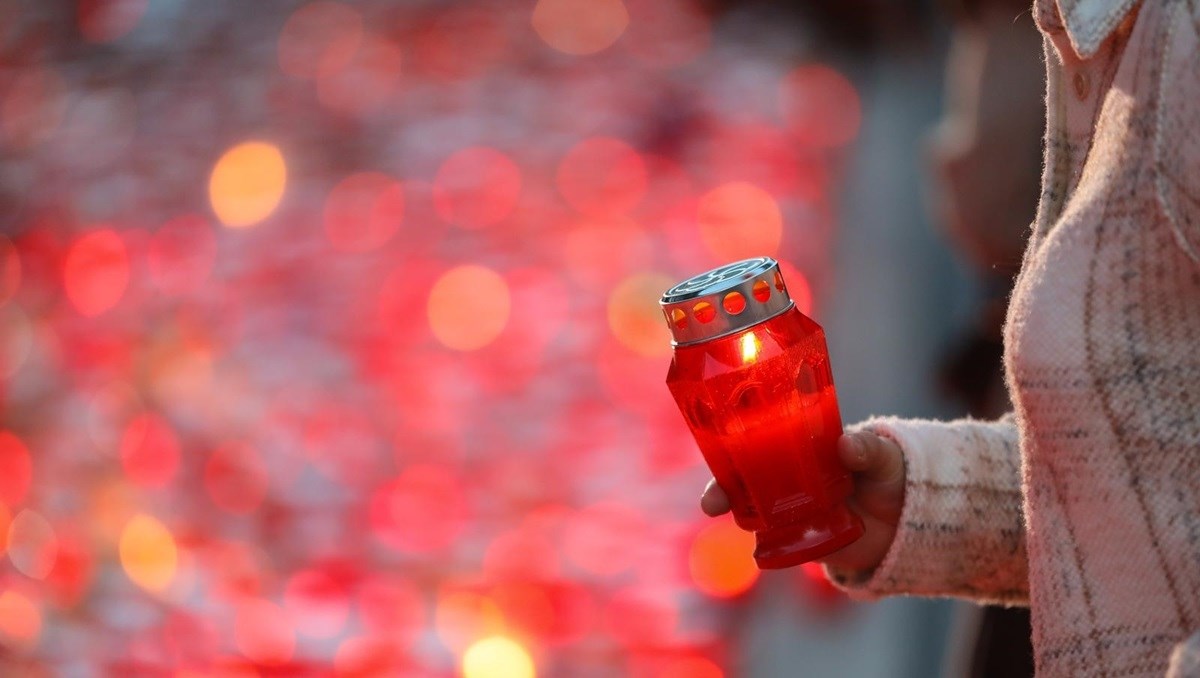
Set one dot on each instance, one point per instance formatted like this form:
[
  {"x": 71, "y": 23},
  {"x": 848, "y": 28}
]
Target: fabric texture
[{"x": 1085, "y": 503}]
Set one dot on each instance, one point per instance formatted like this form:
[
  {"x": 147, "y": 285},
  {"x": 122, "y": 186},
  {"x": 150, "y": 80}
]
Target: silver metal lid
[{"x": 725, "y": 300}]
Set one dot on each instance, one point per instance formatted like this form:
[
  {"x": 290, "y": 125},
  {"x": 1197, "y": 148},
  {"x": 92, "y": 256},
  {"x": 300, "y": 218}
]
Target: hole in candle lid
[
  {"x": 734, "y": 303},
  {"x": 778, "y": 281},
  {"x": 678, "y": 318},
  {"x": 762, "y": 291},
  {"x": 704, "y": 312}
]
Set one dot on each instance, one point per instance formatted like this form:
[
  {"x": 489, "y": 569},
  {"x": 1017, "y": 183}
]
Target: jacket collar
[{"x": 1088, "y": 23}]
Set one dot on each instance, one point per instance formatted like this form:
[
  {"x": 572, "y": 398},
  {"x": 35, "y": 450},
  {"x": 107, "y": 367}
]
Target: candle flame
[{"x": 750, "y": 346}]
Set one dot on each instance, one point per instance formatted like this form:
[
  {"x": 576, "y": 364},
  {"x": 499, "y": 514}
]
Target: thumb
[{"x": 872, "y": 457}]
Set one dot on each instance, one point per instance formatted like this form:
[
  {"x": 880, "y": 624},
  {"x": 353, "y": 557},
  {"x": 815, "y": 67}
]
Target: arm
[{"x": 960, "y": 530}]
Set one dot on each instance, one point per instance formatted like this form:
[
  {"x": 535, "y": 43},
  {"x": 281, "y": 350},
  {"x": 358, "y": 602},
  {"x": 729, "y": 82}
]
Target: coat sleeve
[{"x": 961, "y": 531}]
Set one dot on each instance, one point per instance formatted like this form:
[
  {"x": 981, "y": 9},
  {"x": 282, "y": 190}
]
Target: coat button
[{"x": 1083, "y": 85}]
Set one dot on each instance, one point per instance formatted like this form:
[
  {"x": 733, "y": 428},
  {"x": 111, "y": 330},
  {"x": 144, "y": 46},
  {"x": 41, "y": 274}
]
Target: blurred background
[{"x": 329, "y": 339}]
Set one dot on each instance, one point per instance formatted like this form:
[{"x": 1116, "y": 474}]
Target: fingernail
[{"x": 860, "y": 447}]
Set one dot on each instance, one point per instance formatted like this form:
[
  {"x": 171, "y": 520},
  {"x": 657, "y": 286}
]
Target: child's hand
[{"x": 878, "y": 467}]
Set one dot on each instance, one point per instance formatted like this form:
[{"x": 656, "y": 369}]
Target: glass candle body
[{"x": 762, "y": 406}]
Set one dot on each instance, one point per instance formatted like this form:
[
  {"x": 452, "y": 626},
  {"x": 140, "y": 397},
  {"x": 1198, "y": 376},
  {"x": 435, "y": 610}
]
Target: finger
[
  {"x": 873, "y": 457},
  {"x": 714, "y": 501}
]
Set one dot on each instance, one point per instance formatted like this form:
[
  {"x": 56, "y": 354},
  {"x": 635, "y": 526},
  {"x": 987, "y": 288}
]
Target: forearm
[{"x": 961, "y": 530}]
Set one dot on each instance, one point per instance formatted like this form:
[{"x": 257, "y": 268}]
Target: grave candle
[{"x": 751, "y": 376}]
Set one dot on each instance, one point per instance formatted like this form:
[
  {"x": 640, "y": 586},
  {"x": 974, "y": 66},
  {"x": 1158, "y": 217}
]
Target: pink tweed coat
[{"x": 1084, "y": 503}]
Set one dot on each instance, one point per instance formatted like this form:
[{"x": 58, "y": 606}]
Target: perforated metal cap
[{"x": 725, "y": 300}]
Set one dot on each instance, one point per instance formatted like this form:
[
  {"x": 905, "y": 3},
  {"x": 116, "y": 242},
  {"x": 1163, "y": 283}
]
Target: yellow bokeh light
[
  {"x": 634, "y": 315},
  {"x": 247, "y": 183},
  {"x": 497, "y": 657},
  {"x": 580, "y": 26},
  {"x": 148, "y": 553},
  {"x": 468, "y": 307},
  {"x": 720, "y": 560}
]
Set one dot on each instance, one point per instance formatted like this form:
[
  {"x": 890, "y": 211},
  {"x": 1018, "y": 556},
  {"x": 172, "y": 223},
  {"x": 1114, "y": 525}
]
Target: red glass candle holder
[{"x": 751, "y": 375}]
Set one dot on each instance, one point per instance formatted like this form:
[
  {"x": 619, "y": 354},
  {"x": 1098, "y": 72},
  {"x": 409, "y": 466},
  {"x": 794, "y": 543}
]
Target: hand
[{"x": 878, "y": 467}]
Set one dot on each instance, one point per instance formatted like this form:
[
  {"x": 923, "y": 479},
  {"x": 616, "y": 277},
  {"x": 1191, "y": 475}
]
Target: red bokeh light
[
  {"x": 150, "y": 451},
  {"x": 363, "y": 211},
  {"x": 602, "y": 176},
  {"x": 367, "y": 83},
  {"x": 16, "y": 469},
  {"x": 32, "y": 108},
  {"x": 476, "y": 187},
  {"x": 109, "y": 20},
  {"x": 392, "y": 607},
  {"x": 603, "y": 539},
  {"x": 820, "y": 107},
  {"x": 181, "y": 254},
  {"x": 461, "y": 42},
  {"x": 320, "y": 38},
  {"x": 96, "y": 272},
  {"x": 236, "y": 477},
  {"x": 318, "y": 600},
  {"x": 368, "y": 657},
  {"x": 667, "y": 33},
  {"x": 424, "y": 510},
  {"x": 32, "y": 544},
  {"x": 739, "y": 220},
  {"x": 264, "y": 632},
  {"x": 598, "y": 253},
  {"x": 642, "y": 616}
]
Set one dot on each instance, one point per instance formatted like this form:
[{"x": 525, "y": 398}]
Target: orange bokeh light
[
  {"x": 109, "y": 20},
  {"x": 580, "y": 27},
  {"x": 236, "y": 478},
  {"x": 96, "y": 272},
  {"x": 602, "y": 176},
  {"x": 476, "y": 187},
  {"x": 720, "y": 561},
  {"x": 20, "y": 619},
  {"x": 739, "y": 220},
  {"x": 32, "y": 544},
  {"x": 497, "y": 657},
  {"x": 463, "y": 614},
  {"x": 363, "y": 211},
  {"x": 181, "y": 254},
  {"x": 320, "y": 38},
  {"x": 16, "y": 469},
  {"x": 148, "y": 553},
  {"x": 468, "y": 307},
  {"x": 247, "y": 183},
  {"x": 149, "y": 451},
  {"x": 634, "y": 315},
  {"x": 820, "y": 106},
  {"x": 263, "y": 632}
]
